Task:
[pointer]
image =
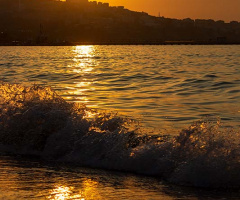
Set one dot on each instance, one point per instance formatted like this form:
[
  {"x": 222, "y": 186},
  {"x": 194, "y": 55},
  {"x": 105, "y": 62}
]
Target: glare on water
[{"x": 165, "y": 87}]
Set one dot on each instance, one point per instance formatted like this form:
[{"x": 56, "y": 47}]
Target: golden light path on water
[
  {"x": 87, "y": 191},
  {"x": 83, "y": 65},
  {"x": 86, "y": 65}
]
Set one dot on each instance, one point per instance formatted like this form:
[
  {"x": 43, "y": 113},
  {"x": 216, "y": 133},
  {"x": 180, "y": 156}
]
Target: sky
[{"x": 227, "y": 10}]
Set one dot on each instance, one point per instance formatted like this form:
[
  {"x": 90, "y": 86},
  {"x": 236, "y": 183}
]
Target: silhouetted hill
[{"x": 52, "y": 22}]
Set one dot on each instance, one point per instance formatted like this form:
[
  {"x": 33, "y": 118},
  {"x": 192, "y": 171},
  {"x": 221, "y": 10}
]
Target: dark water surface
[{"x": 165, "y": 87}]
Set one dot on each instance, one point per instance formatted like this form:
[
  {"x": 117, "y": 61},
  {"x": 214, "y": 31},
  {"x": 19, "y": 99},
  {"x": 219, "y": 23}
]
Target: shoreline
[{"x": 167, "y": 43}]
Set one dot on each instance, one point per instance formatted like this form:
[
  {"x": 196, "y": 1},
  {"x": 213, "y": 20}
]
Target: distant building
[
  {"x": 105, "y": 4},
  {"x": 93, "y": 3},
  {"x": 203, "y": 23},
  {"x": 188, "y": 22},
  {"x": 120, "y": 7},
  {"x": 77, "y": 1}
]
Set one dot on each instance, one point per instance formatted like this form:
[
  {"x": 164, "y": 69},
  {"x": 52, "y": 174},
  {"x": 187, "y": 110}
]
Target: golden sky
[{"x": 227, "y": 10}]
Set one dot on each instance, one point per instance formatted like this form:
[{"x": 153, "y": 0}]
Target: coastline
[{"x": 118, "y": 43}]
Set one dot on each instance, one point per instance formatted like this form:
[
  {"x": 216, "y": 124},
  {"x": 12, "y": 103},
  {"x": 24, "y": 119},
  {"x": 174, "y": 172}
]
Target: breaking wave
[{"x": 36, "y": 121}]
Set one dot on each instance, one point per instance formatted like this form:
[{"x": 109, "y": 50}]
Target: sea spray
[
  {"x": 206, "y": 156},
  {"x": 36, "y": 121}
]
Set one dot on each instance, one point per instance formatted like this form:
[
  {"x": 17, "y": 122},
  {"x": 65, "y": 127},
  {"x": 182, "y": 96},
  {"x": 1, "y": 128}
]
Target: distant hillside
[{"x": 52, "y": 22}]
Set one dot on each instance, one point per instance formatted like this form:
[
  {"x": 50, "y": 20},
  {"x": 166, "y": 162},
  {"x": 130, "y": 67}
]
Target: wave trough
[{"x": 36, "y": 121}]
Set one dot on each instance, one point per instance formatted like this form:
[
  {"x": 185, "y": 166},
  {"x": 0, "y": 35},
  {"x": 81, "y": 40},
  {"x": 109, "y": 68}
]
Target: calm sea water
[{"x": 164, "y": 87}]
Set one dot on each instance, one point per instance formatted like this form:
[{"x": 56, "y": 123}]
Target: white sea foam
[{"x": 36, "y": 121}]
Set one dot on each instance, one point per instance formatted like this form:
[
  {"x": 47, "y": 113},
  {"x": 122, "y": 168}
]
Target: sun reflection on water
[
  {"x": 88, "y": 190},
  {"x": 63, "y": 192},
  {"x": 83, "y": 67}
]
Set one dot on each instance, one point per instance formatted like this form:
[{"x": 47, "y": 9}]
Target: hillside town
[{"x": 55, "y": 22}]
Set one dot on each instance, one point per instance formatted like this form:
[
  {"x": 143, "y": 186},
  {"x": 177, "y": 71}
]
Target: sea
[{"x": 120, "y": 122}]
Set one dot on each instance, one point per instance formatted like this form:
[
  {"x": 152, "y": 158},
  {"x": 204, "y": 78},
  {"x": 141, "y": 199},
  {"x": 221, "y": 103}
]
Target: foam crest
[
  {"x": 36, "y": 121},
  {"x": 207, "y": 156}
]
